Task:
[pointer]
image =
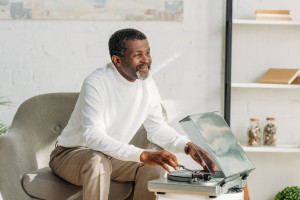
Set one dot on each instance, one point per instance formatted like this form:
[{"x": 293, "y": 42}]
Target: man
[{"x": 113, "y": 103}]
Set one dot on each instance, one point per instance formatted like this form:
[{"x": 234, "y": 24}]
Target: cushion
[{"x": 43, "y": 184}]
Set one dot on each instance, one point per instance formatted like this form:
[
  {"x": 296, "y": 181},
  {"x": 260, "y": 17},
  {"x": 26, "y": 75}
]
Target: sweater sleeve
[
  {"x": 94, "y": 130},
  {"x": 159, "y": 132}
]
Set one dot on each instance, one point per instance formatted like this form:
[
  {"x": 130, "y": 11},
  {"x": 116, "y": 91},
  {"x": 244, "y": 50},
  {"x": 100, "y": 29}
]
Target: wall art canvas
[{"x": 146, "y": 10}]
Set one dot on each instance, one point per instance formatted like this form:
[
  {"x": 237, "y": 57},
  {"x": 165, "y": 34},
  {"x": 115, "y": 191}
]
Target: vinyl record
[{"x": 181, "y": 175}]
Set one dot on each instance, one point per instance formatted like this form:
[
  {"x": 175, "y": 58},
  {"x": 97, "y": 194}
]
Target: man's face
[{"x": 135, "y": 64}]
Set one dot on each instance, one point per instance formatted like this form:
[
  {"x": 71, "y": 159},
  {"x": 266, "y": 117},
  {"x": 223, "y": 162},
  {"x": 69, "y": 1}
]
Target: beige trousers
[{"x": 94, "y": 170}]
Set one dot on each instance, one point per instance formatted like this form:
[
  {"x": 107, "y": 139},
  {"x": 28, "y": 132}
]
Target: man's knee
[
  {"x": 97, "y": 163},
  {"x": 152, "y": 172}
]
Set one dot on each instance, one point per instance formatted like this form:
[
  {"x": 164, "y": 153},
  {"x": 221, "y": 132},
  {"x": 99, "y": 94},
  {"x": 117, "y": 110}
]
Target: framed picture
[{"x": 146, "y": 10}]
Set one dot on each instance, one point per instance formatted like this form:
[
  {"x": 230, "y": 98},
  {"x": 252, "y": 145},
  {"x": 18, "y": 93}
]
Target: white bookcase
[
  {"x": 260, "y": 85},
  {"x": 257, "y": 46},
  {"x": 265, "y": 22},
  {"x": 274, "y": 149}
]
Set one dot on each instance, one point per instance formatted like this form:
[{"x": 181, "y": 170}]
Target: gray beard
[{"x": 142, "y": 77}]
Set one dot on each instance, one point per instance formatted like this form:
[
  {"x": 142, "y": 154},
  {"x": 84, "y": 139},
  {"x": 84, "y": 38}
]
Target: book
[
  {"x": 296, "y": 81},
  {"x": 283, "y": 15},
  {"x": 282, "y": 12},
  {"x": 275, "y": 18},
  {"x": 279, "y": 76},
  {"x": 271, "y": 15}
]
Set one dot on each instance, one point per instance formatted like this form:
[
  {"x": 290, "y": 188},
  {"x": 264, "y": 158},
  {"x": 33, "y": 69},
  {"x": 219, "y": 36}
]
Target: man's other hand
[
  {"x": 201, "y": 157},
  {"x": 162, "y": 158}
]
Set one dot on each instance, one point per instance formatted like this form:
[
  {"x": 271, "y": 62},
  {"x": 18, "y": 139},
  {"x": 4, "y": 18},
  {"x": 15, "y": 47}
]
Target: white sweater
[{"x": 110, "y": 110}]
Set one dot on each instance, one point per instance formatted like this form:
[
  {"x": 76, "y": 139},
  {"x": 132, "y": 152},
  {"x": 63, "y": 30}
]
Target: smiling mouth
[{"x": 143, "y": 68}]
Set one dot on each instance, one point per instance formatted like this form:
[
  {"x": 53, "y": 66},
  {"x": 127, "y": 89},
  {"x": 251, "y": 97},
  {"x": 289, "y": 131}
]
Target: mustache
[{"x": 140, "y": 66}]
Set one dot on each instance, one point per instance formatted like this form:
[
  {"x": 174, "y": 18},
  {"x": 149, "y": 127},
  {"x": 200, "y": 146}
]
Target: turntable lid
[{"x": 211, "y": 132}]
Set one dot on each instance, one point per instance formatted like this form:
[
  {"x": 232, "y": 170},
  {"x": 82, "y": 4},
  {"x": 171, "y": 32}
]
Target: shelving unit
[
  {"x": 274, "y": 149},
  {"x": 228, "y": 83},
  {"x": 261, "y": 85},
  {"x": 259, "y": 45},
  {"x": 266, "y": 22}
]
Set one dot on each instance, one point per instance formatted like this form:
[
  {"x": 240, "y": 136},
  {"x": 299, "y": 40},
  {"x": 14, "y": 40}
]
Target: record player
[{"x": 232, "y": 165}]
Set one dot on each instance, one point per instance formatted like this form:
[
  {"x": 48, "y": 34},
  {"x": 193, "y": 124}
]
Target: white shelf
[
  {"x": 262, "y": 85},
  {"x": 277, "y": 148},
  {"x": 270, "y": 22}
]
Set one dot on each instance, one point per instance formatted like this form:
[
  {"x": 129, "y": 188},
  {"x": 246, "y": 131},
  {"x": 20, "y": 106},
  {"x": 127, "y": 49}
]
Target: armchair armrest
[{"x": 15, "y": 161}]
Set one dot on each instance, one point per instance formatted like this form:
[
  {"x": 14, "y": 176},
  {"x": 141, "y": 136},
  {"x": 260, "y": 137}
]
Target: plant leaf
[
  {"x": 5, "y": 103},
  {"x": 3, "y": 128}
]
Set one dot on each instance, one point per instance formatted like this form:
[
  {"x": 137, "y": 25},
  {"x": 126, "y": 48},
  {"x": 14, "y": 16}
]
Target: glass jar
[
  {"x": 270, "y": 132},
  {"x": 253, "y": 131}
]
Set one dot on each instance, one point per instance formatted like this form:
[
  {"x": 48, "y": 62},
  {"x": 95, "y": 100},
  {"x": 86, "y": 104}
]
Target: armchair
[{"x": 25, "y": 151}]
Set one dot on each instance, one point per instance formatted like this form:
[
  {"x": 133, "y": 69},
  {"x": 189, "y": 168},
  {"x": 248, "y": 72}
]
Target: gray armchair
[{"x": 25, "y": 151}]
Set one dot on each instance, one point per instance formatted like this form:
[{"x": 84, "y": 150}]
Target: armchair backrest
[{"x": 39, "y": 121}]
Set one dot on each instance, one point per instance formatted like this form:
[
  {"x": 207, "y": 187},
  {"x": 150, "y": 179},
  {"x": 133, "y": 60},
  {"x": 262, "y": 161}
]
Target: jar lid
[
  {"x": 254, "y": 119},
  {"x": 270, "y": 118}
]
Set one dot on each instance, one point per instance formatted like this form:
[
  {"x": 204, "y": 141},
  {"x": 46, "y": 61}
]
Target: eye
[
  {"x": 137, "y": 55},
  {"x": 148, "y": 53}
]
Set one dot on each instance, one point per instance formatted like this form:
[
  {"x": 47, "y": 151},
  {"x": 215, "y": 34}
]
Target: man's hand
[
  {"x": 201, "y": 157},
  {"x": 162, "y": 158}
]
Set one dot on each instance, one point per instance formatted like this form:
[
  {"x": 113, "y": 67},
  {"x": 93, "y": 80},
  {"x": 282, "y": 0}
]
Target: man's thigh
[
  {"x": 69, "y": 163},
  {"x": 126, "y": 171}
]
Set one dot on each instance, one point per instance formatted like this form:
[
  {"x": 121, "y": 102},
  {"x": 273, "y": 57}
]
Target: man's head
[{"x": 130, "y": 53}]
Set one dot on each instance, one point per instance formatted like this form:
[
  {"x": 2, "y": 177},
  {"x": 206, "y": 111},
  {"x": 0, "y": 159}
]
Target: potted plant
[{"x": 289, "y": 193}]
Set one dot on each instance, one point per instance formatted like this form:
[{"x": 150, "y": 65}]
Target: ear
[{"x": 116, "y": 60}]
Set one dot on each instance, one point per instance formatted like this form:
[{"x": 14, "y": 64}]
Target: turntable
[{"x": 232, "y": 165}]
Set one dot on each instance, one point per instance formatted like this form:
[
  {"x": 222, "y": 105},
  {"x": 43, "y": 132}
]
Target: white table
[{"x": 239, "y": 195}]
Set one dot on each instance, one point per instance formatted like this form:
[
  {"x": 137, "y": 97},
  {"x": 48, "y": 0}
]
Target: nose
[{"x": 146, "y": 58}]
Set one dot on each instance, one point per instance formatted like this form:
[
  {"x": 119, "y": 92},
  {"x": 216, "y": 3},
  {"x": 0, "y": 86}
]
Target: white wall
[
  {"x": 39, "y": 57},
  {"x": 255, "y": 49},
  {"x": 274, "y": 172}
]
